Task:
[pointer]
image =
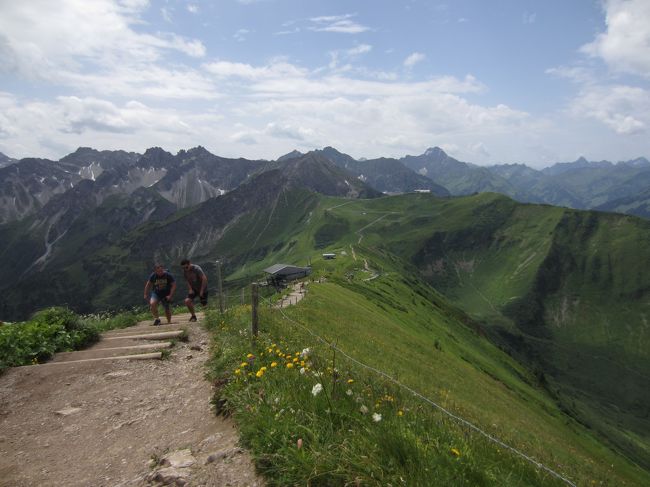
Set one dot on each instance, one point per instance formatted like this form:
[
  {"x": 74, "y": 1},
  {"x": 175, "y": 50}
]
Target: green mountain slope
[
  {"x": 397, "y": 324},
  {"x": 563, "y": 290}
]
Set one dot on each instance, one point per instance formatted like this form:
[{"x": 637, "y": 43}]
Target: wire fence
[{"x": 242, "y": 299}]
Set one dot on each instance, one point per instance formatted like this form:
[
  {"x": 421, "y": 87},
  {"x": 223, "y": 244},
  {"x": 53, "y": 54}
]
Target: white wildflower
[
  {"x": 316, "y": 389},
  {"x": 305, "y": 353},
  {"x": 363, "y": 409},
  {"x": 302, "y": 371},
  {"x": 376, "y": 417},
  {"x": 349, "y": 392}
]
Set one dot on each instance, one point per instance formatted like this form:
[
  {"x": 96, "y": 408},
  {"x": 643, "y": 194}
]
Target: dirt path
[{"x": 112, "y": 423}]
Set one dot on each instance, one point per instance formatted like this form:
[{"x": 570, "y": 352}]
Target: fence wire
[{"x": 420, "y": 396}]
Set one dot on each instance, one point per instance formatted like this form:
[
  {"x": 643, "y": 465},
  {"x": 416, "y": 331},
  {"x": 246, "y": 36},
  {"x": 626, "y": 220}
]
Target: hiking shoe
[
  {"x": 157, "y": 322},
  {"x": 193, "y": 318}
]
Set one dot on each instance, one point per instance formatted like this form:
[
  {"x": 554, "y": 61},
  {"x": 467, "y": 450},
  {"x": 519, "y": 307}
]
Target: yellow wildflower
[
  {"x": 455, "y": 452},
  {"x": 274, "y": 364},
  {"x": 289, "y": 365},
  {"x": 250, "y": 355},
  {"x": 263, "y": 369},
  {"x": 400, "y": 413},
  {"x": 295, "y": 360},
  {"x": 243, "y": 364},
  {"x": 259, "y": 373},
  {"x": 350, "y": 381},
  {"x": 237, "y": 371}
]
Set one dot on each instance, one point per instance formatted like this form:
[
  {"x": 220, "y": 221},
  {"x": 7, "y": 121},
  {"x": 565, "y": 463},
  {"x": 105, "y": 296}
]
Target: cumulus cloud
[
  {"x": 624, "y": 109},
  {"x": 288, "y": 131},
  {"x": 84, "y": 42},
  {"x": 413, "y": 59},
  {"x": 625, "y": 45}
]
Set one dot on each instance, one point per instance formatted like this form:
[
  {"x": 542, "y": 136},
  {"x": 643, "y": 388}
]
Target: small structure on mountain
[
  {"x": 281, "y": 274},
  {"x": 329, "y": 256}
]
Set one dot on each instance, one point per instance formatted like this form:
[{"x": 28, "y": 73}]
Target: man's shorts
[
  {"x": 193, "y": 294},
  {"x": 161, "y": 300}
]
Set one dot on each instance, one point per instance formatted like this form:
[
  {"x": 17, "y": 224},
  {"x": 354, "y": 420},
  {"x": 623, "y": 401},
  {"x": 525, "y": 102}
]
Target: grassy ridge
[
  {"x": 402, "y": 327},
  {"x": 562, "y": 289}
]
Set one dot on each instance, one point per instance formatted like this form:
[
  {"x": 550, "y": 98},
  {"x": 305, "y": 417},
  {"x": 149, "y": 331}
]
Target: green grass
[
  {"x": 325, "y": 422},
  {"x": 412, "y": 334}
]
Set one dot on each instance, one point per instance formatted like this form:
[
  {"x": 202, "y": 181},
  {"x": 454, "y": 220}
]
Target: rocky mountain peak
[
  {"x": 435, "y": 152},
  {"x": 290, "y": 155},
  {"x": 156, "y": 157}
]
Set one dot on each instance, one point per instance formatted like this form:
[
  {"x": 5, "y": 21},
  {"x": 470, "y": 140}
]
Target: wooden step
[
  {"x": 109, "y": 352},
  {"x": 146, "y": 336},
  {"x": 140, "y": 356}
]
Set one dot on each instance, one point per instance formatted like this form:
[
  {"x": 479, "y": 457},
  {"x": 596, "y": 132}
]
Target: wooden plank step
[
  {"x": 147, "y": 336},
  {"x": 140, "y": 329},
  {"x": 140, "y": 356},
  {"x": 110, "y": 352}
]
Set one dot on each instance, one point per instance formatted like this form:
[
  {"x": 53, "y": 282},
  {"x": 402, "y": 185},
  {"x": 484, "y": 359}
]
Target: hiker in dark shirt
[
  {"x": 197, "y": 285},
  {"x": 162, "y": 286}
]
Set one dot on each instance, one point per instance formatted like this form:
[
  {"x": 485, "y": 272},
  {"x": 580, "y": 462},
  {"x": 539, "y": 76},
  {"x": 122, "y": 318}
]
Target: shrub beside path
[{"x": 120, "y": 422}]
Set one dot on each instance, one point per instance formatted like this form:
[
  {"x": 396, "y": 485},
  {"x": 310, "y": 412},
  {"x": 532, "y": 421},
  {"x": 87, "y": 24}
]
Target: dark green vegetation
[{"x": 53, "y": 330}]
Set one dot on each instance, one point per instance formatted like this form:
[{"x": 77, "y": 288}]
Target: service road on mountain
[{"x": 119, "y": 422}]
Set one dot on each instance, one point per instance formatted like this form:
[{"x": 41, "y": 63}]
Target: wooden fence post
[
  {"x": 254, "y": 302},
  {"x": 219, "y": 286}
]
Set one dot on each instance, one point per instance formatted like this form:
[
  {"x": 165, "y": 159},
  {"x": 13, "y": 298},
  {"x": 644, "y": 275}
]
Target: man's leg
[
  {"x": 153, "y": 306},
  {"x": 190, "y": 304},
  {"x": 168, "y": 313}
]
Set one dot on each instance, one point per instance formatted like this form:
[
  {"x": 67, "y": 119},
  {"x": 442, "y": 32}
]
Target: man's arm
[
  {"x": 204, "y": 284},
  {"x": 147, "y": 287},
  {"x": 171, "y": 291}
]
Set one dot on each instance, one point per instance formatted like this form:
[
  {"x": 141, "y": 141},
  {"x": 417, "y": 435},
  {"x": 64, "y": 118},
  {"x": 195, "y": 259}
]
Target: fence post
[
  {"x": 219, "y": 286},
  {"x": 254, "y": 302}
]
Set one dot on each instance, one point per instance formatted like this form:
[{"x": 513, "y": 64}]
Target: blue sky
[{"x": 502, "y": 81}]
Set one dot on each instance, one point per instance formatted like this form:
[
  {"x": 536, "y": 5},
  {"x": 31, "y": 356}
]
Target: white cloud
[
  {"x": 624, "y": 109},
  {"x": 358, "y": 50},
  {"x": 86, "y": 44},
  {"x": 413, "y": 59},
  {"x": 625, "y": 46},
  {"x": 577, "y": 74},
  {"x": 192, "y": 8},
  {"x": 240, "y": 35},
  {"x": 275, "y": 69},
  {"x": 337, "y": 23},
  {"x": 288, "y": 131},
  {"x": 166, "y": 14}
]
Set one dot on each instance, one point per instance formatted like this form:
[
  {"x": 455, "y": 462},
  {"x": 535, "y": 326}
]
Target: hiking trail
[{"x": 96, "y": 418}]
